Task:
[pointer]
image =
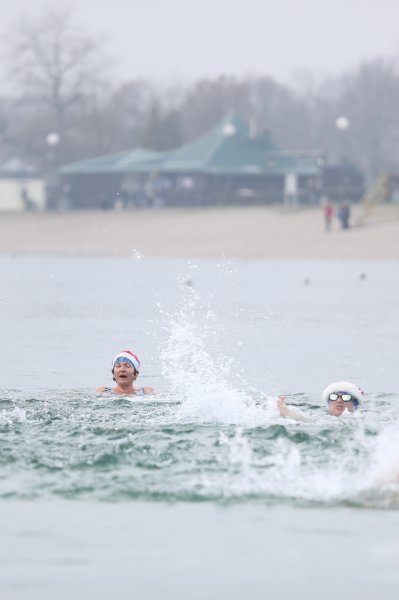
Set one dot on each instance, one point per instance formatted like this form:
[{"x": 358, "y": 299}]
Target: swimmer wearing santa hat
[
  {"x": 125, "y": 369},
  {"x": 340, "y": 396}
]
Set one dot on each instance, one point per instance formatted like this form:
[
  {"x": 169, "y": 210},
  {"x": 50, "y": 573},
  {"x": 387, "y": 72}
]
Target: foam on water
[
  {"x": 210, "y": 435},
  {"x": 17, "y": 415},
  {"x": 80, "y": 445},
  {"x": 201, "y": 377},
  {"x": 198, "y": 373},
  {"x": 304, "y": 473},
  {"x": 384, "y": 458}
]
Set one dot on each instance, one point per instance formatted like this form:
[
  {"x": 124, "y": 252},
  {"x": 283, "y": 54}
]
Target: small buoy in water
[
  {"x": 363, "y": 276},
  {"x": 189, "y": 283},
  {"x": 306, "y": 281}
]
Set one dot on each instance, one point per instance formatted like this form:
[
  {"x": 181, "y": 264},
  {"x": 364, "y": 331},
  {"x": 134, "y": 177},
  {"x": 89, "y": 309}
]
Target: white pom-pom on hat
[{"x": 343, "y": 386}]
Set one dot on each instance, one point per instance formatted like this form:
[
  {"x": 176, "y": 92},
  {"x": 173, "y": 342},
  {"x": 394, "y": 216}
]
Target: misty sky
[{"x": 182, "y": 40}]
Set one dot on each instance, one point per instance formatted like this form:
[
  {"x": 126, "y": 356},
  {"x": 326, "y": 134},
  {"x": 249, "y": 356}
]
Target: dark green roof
[
  {"x": 225, "y": 148},
  {"x": 136, "y": 159},
  {"x": 101, "y": 164},
  {"x": 228, "y": 149}
]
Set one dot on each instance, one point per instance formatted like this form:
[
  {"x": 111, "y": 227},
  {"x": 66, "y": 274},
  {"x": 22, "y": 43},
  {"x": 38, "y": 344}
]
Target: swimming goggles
[{"x": 344, "y": 395}]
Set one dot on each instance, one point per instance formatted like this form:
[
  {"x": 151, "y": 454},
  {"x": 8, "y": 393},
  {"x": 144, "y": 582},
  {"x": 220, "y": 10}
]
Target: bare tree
[
  {"x": 6, "y": 139},
  {"x": 53, "y": 64},
  {"x": 370, "y": 100},
  {"x": 59, "y": 75},
  {"x": 367, "y": 97},
  {"x": 282, "y": 112},
  {"x": 271, "y": 106},
  {"x": 209, "y": 100},
  {"x": 131, "y": 104},
  {"x": 147, "y": 115}
]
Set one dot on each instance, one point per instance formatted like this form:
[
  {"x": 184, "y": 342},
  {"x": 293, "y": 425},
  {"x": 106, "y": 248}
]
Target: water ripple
[{"x": 81, "y": 446}]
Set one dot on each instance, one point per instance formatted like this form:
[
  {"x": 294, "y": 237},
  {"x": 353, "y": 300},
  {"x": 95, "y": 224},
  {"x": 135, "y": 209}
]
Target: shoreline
[{"x": 229, "y": 232}]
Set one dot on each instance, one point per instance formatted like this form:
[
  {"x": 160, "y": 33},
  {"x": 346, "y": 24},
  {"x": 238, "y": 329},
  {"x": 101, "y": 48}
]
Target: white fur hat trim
[
  {"x": 343, "y": 386},
  {"x": 128, "y": 355}
]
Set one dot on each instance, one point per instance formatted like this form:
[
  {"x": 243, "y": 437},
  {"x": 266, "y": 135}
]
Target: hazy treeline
[{"x": 62, "y": 82}]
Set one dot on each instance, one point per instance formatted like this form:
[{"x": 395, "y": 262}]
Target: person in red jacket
[{"x": 328, "y": 215}]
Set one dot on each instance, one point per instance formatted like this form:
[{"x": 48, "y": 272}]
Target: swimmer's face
[
  {"x": 337, "y": 407},
  {"x": 124, "y": 372}
]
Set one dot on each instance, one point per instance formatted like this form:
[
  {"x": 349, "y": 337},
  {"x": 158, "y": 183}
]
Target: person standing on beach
[
  {"x": 344, "y": 213},
  {"x": 328, "y": 214},
  {"x": 125, "y": 369},
  {"x": 340, "y": 396}
]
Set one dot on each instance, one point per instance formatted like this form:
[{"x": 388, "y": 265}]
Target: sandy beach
[{"x": 233, "y": 232}]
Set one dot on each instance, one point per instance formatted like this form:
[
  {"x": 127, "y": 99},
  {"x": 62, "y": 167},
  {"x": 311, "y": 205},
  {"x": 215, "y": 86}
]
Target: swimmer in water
[
  {"x": 125, "y": 369},
  {"x": 340, "y": 396}
]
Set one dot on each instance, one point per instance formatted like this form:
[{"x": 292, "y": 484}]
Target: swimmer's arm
[
  {"x": 149, "y": 390},
  {"x": 290, "y": 412},
  {"x": 101, "y": 389}
]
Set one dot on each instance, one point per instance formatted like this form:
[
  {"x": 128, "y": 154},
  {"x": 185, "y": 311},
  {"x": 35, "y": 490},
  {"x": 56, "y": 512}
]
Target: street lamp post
[
  {"x": 342, "y": 124},
  {"x": 52, "y": 142}
]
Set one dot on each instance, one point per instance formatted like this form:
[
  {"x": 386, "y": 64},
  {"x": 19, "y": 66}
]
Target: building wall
[{"x": 11, "y": 194}]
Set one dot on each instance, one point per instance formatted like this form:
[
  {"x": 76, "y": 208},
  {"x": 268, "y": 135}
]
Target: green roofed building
[{"x": 227, "y": 165}]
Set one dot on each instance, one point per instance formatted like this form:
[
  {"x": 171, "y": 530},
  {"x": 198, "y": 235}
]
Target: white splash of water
[
  {"x": 198, "y": 373},
  {"x": 136, "y": 254},
  {"x": 15, "y": 416},
  {"x": 359, "y": 463},
  {"x": 291, "y": 470},
  {"x": 241, "y": 477},
  {"x": 384, "y": 458}
]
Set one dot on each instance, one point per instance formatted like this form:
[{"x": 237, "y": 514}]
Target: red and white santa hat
[
  {"x": 128, "y": 355},
  {"x": 343, "y": 386}
]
